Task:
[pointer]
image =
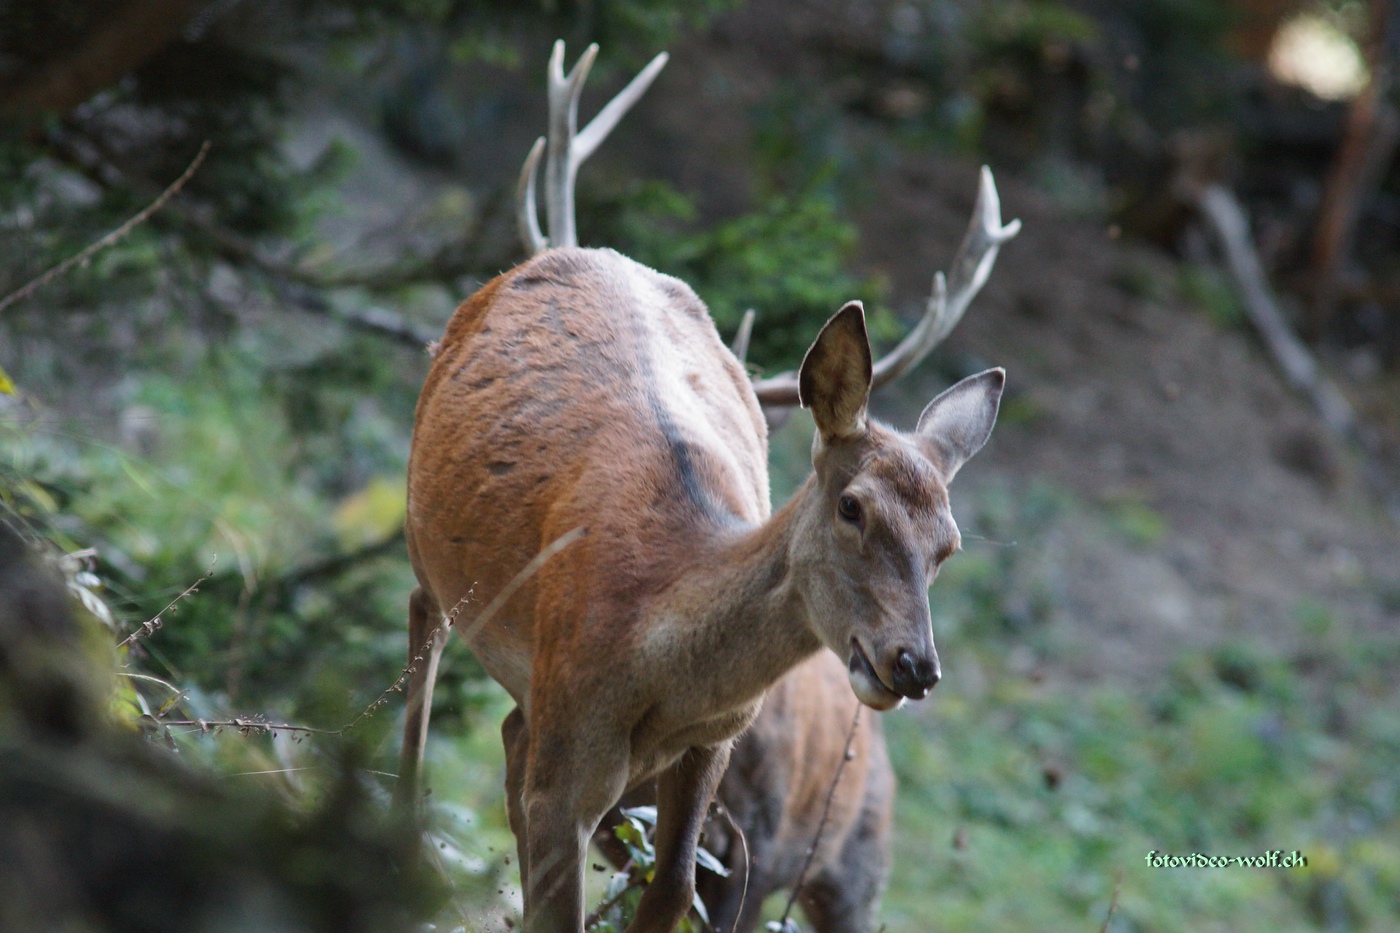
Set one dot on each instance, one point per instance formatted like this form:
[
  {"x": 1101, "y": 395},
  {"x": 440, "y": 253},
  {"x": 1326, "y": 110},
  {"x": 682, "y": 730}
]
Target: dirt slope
[
  {"x": 1140, "y": 404},
  {"x": 1244, "y": 518}
]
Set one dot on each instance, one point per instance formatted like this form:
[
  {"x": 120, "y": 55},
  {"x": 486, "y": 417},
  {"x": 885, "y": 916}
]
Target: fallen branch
[
  {"x": 1222, "y": 210},
  {"x": 111, "y": 238},
  {"x": 1226, "y": 217}
]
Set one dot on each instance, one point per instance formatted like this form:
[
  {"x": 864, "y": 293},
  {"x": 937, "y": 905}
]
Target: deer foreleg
[
  {"x": 683, "y": 794},
  {"x": 569, "y": 785}
]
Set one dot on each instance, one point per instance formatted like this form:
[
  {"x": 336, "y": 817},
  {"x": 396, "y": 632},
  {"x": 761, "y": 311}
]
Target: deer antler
[
  {"x": 569, "y": 147},
  {"x": 971, "y": 267}
]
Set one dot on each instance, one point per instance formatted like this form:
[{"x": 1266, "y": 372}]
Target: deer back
[{"x": 578, "y": 390}]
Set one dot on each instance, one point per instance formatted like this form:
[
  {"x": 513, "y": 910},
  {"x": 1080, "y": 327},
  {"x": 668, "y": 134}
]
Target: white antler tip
[
  {"x": 556, "y": 61},
  {"x": 989, "y": 209},
  {"x": 988, "y": 201},
  {"x": 585, "y": 62}
]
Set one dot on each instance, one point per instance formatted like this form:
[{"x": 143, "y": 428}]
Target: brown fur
[
  {"x": 776, "y": 789},
  {"x": 583, "y": 391}
]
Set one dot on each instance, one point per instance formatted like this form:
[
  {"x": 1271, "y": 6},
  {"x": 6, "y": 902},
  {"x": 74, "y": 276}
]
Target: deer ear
[
  {"x": 958, "y": 422},
  {"x": 834, "y": 380}
]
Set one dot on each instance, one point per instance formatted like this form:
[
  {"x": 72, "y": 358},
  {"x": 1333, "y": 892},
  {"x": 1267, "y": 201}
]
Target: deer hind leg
[
  {"x": 683, "y": 794},
  {"x": 427, "y": 636},
  {"x": 844, "y": 896}
]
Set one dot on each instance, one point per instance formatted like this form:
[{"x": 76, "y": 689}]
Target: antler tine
[
  {"x": 740, "y": 348},
  {"x": 563, "y": 124},
  {"x": 569, "y": 147},
  {"x": 597, "y": 130},
  {"x": 972, "y": 264},
  {"x": 526, "y": 216}
]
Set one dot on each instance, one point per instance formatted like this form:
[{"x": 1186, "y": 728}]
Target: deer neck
[{"x": 742, "y": 608}]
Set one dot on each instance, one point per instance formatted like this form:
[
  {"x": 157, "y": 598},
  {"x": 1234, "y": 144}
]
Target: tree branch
[
  {"x": 93, "y": 249},
  {"x": 292, "y": 285},
  {"x": 118, "y": 45}
]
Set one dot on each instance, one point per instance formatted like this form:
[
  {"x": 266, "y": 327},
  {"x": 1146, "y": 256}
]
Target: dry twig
[
  {"x": 111, "y": 238},
  {"x": 150, "y": 625},
  {"x": 1112, "y": 902},
  {"x": 821, "y": 826}
]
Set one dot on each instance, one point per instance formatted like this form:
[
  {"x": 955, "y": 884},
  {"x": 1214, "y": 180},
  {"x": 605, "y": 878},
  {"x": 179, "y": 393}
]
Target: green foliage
[
  {"x": 1137, "y": 521},
  {"x": 787, "y": 260},
  {"x": 624, "y": 890},
  {"x": 1051, "y": 789},
  {"x": 1209, "y": 289},
  {"x": 1023, "y": 27},
  {"x": 218, "y": 490}
]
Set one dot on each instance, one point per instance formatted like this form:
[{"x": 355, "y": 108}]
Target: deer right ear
[
  {"x": 959, "y": 421},
  {"x": 834, "y": 381}
]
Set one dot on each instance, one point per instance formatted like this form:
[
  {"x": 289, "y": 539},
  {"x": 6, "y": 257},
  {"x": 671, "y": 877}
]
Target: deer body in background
[
  {"x": 783, "y": 794},
  {"x": 582, "y": 408}
]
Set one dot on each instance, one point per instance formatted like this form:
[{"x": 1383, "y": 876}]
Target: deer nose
[{"x": 915, "y": 677}]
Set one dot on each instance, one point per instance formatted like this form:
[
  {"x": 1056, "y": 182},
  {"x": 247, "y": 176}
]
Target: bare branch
[
  {"x": 111, "y": 238},
  {"x": 1227, "y": 218},
  {"x": 971, "y": 267},
  {"x": 294, "y": 285}
]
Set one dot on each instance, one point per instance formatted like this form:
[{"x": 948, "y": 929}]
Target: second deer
[{"x": 589, "y": 464}]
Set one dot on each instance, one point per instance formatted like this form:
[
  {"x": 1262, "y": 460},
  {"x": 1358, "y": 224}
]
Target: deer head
[{"x": 876, "y": 525}]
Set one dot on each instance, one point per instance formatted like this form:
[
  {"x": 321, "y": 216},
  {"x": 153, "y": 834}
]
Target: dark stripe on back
[{"x": 685, "y": 455}]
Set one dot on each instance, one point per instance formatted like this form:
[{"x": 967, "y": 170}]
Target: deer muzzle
[{"x": 866, "y": 682}]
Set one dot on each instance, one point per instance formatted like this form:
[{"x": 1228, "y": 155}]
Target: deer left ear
[
  {"x": 959, "y": 421},
  {"x": 834, "y": 381}
]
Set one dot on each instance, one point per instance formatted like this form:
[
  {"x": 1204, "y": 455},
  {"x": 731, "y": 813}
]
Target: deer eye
[{"x": 849, "y": 508}]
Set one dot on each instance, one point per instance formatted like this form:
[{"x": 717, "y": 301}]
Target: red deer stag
[{"x": 590, "y": 462}]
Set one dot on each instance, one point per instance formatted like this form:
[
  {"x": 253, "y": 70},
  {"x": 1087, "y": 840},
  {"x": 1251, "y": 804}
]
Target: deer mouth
[{"x": 866, "y": 684}]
